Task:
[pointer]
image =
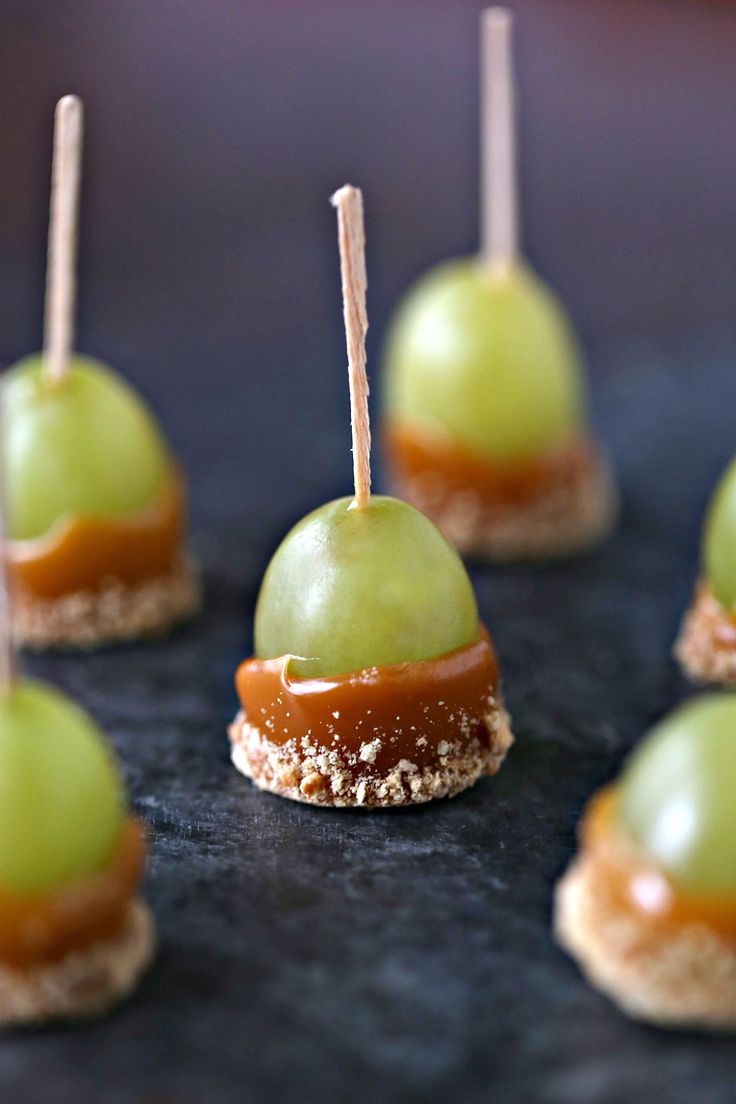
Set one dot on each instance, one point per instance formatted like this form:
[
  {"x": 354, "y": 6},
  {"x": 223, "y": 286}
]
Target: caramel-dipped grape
[
  {"x": 676, "y": 798},
  {"x": 61, "y": 801},
  {"x": 84, "y": 446},
  {"x": 486, "y": 357},
  {"x": 719, "y": 540},
  {"x": 351, "y": 588}
]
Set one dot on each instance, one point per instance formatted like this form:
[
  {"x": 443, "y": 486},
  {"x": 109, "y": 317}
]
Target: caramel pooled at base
[
  {"x": 662, "y": 956},
  {"x": 384, "y": 736},
  {"x": 113, "y": 613},
  {"x": 94, "y": 580},
  {"x": 45, "y": 926},
  {"x": 554, "y": 505},
  {"x": 86, "y": 982},
  {"x": 80, "y": 554},
  {"x": 74, "y": 951}
]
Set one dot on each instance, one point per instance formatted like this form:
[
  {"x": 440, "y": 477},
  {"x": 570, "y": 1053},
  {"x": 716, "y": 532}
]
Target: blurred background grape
[{"x": 216, "y": 131}]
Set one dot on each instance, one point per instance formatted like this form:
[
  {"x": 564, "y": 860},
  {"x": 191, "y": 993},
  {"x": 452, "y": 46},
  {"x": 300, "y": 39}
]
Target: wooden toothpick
[
  {"x": 61, "y": 275},
  {"x": 7, "y": 649},
  {"x": 351, "y": 236},
  {"x": 498, "y": 185}
]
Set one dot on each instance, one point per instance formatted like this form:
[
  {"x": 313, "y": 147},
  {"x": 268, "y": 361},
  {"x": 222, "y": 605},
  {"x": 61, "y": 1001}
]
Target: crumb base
[
  {"x": 564, "y": 519},
  {"x": 686, "y": 979},
  {"x": 84, "y": 983},
  {"x": 115, "y": 612},
  {"x": 706, "y": 645},
  {"x": 320, "y": 777}
]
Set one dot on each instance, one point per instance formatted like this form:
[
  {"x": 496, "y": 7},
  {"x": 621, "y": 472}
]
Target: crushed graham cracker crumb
[
  {"x": 687, "y": 979},
  {"x": 558, "y": 521},
  {"x": 313, "y": 784},
  {"x": 86, "y": 982},
  {"x": 706, "y": 645},
  {"x": 290, "y": 769},
  {"x": 116, "y": 612}
]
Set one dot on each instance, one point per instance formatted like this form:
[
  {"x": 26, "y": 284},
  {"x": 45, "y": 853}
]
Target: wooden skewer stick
[
  {"x": 351, "y": 236},
  {"x": 499, "y": 188},
  {"x": 61, "y": 275},
  {"x": 7, "y": 649}
]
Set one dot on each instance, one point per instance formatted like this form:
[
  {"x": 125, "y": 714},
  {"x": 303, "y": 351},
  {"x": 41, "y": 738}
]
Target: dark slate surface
[{"x": 311, "y": 956}]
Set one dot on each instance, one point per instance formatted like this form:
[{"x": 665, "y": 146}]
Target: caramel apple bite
[
  {"x": 648, "y": 907},
  {"x": 373, "y": 683},
  {"x": 485, "y": 426},
  {"x": 706, "y": 646},
  {"x": 96, "y": 501},
  {"x": 74, "y": 934}
]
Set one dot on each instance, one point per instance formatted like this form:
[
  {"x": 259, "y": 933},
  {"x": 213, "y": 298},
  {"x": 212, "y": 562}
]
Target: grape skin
[
  {"x": 676, "y": 798},
  {"x": 352, "y": 588},
  {"x": 61, "y": 798},
  {"x": 487, "y": 358},
  {"x": 719, "y": 540},
  {"x": 86, "y": 447}
]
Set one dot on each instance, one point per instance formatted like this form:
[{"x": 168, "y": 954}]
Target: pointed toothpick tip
[
  {"x": 342, "y": 193},
  {"x": 497, "y": 16}
]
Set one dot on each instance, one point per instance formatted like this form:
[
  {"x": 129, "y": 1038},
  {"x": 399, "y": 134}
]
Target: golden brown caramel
[
  {"x": 380, "y": 715},
  {"x": 80, "y": 553},
  {"x": 638, "y": 885},
  {"x": 414, "y": 454},
  {"x": 44, "y": 927}
]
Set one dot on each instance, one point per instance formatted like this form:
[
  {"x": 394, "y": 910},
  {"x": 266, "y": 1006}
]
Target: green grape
[
  {"x": 87, "y": 446},
  {"x": 677, "y": 794},
  {"x": 352, "y": 588},
  {"x": 719, "y": 540},
  {"x": 487, "y": 358},
  {"x": 61, "y": 801}
]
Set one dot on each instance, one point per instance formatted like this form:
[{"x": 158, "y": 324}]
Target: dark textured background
[{"x": 312, "y": 956}]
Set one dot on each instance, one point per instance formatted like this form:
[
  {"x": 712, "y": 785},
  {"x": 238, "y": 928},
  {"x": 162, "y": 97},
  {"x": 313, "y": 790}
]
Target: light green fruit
[
  {"x": 85, "y": 446},
  {"x": 487, "y": 358},
  {"x": 61, "y": 801},
  {"x": 351, "y": 588},
  {"x": 677, "y": 795},
  {"x": 719, "y": 540}
]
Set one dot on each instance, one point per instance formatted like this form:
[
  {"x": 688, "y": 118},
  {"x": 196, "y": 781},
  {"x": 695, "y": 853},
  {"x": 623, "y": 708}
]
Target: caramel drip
[
  {"x": 415, "y": 454},
  {"x": 79, "y": 553},
  {"x": 400, "y": 711},
  {"x": 638, "y": 885},
  {"x": 44, "y": 927}
]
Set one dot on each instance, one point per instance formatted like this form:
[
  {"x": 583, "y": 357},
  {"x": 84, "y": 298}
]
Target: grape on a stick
[
  {"x": 74, "y": 934},
  {"x": 383, "y": 587},
  {"x": 485, "y": 422},
  {"x": 648, "y": 908},
  {"x": 373, "y": 683},
  {"x": 96, "y": 501}
]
